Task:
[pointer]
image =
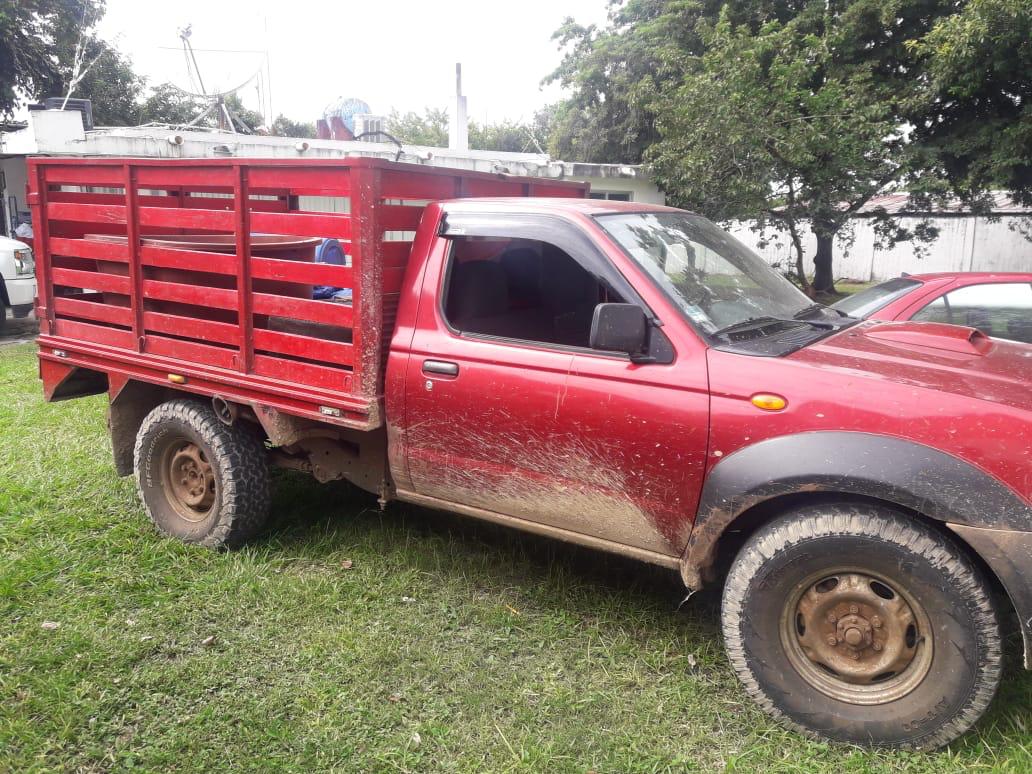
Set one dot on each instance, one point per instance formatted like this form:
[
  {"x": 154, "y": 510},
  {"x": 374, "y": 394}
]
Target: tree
[
  {"x": 285, "y": 127},
  {"x": 976, "y": 114},
  {"x": 784, "y": 125},
  {"x": 168, "y": 104},
  {"x": 799, "y": 111},
  {"x": 612, "y": 75},
  {"x": 107, "y": 79},
  {"x": 245, "y": 120},
  {"x": 508, "y": 136},
  {"x": 34, "y": 34},
  {"x": 430, "y": 129}
]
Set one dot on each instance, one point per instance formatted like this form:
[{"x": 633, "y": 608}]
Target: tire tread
[
  {"x": 244, "y": 496},
  {"x": 885, "y": 524}
]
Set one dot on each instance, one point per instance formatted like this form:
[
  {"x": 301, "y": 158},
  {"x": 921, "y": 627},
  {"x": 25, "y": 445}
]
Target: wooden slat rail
[
  {"x": 101, "y": 334},
  {"x": 89, "y": 248},
  {"x": 200, "y": 305},
  {"x": 187, "y": 218},
  {"x": 296, "y": 271},
  {"x": 205, "y": 330},
  {"x": 303, "y": 346},
  {"x": 338, "y": 380},
  {"x": 192, "y": 260},
  {"x": 92, "y": 280},
  {"x": 302, "y": 224},
  {"x": 326, "y": 312},
  {"x": 191, "y": 351},
  {"x": 86, "y": 213},
  {"x": 196, "y": 295},
  {"x": 91, "y": 310}
]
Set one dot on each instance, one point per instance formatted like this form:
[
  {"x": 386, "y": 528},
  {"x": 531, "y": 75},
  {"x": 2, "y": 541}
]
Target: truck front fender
[{"x": 911, "y": 475}]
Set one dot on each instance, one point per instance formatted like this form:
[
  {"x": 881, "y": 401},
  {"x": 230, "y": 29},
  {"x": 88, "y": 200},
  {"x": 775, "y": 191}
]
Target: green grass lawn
[{"x": 445, "y": 645}]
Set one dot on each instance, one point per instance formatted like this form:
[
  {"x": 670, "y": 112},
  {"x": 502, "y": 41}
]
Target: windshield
[
  {"x": 871, "y": 300},
  {"x": 715, "y": 279}
]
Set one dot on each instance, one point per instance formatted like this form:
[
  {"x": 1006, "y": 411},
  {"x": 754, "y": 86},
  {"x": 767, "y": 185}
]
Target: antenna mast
[{"x": 224, "y": 117}]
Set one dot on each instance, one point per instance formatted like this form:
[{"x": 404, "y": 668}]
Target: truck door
[{"x": 508, "y": 411}]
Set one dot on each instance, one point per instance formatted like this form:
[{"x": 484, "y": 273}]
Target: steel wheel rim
[
  {"x": 190, "y": 483},
  {"x": 857, "y": 636}
]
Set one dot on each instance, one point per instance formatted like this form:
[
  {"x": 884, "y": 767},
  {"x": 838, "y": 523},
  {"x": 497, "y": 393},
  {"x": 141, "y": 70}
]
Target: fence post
[
  {"x": 367, "y": 277},
  {"x": 242, "y": 226},
  {"x": 41, "y": 245},
  {"x": 132, "y": 241}
]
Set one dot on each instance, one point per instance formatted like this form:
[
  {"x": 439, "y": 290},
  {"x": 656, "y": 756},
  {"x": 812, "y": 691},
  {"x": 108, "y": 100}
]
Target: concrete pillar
[{"x": 458, "y": 128}]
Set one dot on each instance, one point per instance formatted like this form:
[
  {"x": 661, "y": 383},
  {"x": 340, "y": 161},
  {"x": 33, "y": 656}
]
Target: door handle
[{"x": 441, "y": 367}]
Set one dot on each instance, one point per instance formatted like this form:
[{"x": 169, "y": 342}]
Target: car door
[{"x": 509, "y": 412}]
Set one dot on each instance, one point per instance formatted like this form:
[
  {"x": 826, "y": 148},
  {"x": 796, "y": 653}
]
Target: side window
[
  {"x": 1002, "y": 310},
  {"x": 520, "y": 289}
]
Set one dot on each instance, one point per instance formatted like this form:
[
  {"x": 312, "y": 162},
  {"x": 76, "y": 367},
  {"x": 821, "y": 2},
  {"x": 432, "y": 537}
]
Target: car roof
[{"x": 973, "y": 277}]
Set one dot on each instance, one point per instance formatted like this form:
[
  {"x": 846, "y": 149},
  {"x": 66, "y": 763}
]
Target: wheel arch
[
  {"x": 130, "y": 402},
  {"x": 748, "y": 488}
]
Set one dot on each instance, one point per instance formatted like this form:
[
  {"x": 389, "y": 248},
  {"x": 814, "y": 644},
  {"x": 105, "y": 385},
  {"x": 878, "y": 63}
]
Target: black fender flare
[{"x": 912, "y": 475}]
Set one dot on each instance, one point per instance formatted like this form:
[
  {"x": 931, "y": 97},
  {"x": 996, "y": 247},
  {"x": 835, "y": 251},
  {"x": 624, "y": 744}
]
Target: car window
[
  {"x": 522, "y": 289},
  {"x": 714, "y": 279},
  {"x": 1002, "y": 310},
  {"x": 869, "y": 301}
]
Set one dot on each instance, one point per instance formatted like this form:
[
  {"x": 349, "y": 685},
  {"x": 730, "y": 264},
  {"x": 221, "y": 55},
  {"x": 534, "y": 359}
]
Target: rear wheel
[
  {"x": 858, "y": 624},
  {"x": 201, "y": 480}
]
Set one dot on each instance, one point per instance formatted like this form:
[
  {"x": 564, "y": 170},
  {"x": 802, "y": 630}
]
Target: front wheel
[
  {"x": 857, "y": 624},
  {"x": 201, "y": 481}
]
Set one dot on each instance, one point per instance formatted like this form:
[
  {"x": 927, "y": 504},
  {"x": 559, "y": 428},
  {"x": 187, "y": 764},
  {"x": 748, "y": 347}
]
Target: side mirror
[{"x": 619, "y": 328}]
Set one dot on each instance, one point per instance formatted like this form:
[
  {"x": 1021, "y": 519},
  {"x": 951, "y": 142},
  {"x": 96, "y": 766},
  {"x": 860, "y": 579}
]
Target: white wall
[{"x": 965, "y": 243}]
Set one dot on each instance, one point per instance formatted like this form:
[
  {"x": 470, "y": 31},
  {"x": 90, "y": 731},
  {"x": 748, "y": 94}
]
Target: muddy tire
[
  {"x": 858, "y": 624},
  {"x": 200, "y": 480}
]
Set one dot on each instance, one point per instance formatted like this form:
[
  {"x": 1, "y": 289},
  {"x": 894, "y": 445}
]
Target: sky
[{"x": 399, "y": 54}]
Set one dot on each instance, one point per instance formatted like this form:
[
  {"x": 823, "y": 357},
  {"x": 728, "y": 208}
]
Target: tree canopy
[
  {"x": 49, "y": 48},
  {"x": 797, "y": 112},
  {"x": 976, "y": 118},
  {"x": 431, "y": 128},
  {"x": 36, "y": 38}
]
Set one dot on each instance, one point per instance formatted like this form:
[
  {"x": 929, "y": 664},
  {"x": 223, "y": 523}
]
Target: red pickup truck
[{"x": 624, "y": 376}]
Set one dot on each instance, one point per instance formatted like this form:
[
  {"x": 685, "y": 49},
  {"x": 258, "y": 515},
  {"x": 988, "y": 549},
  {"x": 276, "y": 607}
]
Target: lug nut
[
  {"x": 832, "y": 618},
  {"x": 856, "y": 655},
  {"x": 878, "y": 646},
  {"x": 876, "y": 622},
  {"x": 832, "y": 640},
  {"x": 854, "y": 609}
]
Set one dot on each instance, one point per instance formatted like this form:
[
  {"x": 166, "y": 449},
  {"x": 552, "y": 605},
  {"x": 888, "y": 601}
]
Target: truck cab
[{"x": 623, "y": 376}]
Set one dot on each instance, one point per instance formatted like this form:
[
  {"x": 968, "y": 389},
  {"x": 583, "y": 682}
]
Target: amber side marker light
[
  {"x": 768, "y": 402},
  {"x": 177, "y": 379}
]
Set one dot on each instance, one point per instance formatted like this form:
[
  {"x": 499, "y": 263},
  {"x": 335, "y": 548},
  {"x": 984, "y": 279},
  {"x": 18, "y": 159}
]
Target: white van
[{"x": 17, "y": 279}]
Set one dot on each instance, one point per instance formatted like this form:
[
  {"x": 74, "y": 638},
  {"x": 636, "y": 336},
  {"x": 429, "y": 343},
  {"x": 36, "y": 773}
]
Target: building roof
[
  {"x": 1002, "y": 204},
  {"x": 57, "y": 132}
]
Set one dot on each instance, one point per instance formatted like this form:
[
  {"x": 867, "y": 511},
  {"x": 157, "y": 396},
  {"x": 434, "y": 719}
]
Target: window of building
[
  {"x": 612, "y": 196},
  {"x": 521, "y": 289},
  {"x": 1002, "y": 310}
]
